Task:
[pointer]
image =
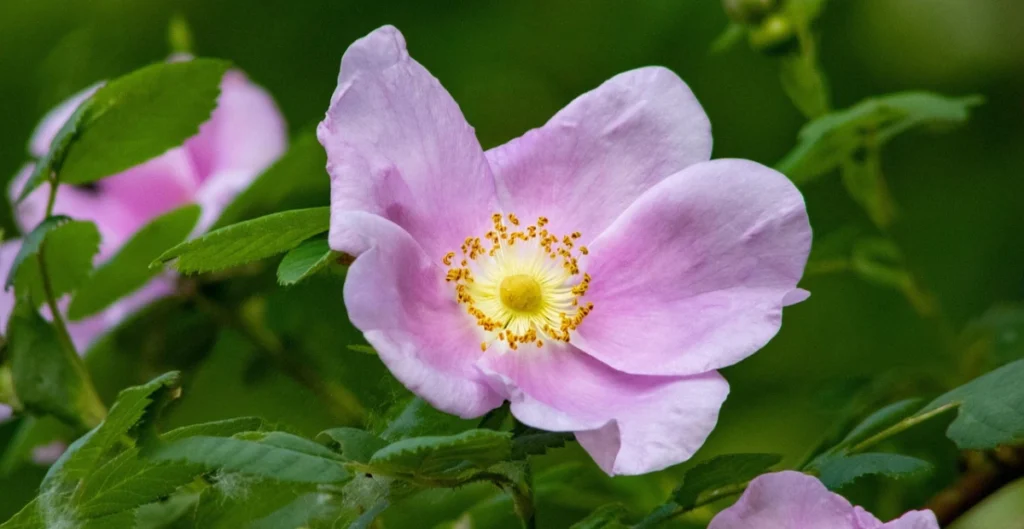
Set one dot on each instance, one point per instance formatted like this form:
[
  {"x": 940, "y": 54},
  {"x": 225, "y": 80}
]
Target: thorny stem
[{"x": 342, "y": 404}]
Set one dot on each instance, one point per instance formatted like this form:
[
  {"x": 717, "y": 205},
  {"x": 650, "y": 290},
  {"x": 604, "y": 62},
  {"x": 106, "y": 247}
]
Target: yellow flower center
[
  {"x": 521, "y": 284},
  {"x": 520, "y": 292}
]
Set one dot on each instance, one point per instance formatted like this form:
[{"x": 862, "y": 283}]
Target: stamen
[{"x": 517, "y": 282}]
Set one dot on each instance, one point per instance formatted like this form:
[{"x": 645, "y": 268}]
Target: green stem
[
  {"x": 97, "y": 411},
  {"x": 900, "y": 427}
]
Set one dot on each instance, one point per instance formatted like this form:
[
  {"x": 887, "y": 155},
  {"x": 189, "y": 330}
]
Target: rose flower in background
[
  {"x": 243, "y": 136},
  {"x": 595, "y": 272}
]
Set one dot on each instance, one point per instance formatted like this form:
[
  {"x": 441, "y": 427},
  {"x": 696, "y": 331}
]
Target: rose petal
[
  {"x": 790, "y": 500},
  {"x": 629, "y": 424},
  {"x": 152, "y": 188},
  {"x": 396, "y": 295},
  {"x": 913, "y": 520},
  {"x": 398, "y": 146},
  {"x": 693, "y": 276},
  {"x": 246, "y": 132},
  {"x": 596, "y": 156},
  {"x": 114, "y": 222}
]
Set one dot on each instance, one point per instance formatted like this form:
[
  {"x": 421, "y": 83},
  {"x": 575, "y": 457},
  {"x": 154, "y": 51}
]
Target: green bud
[
  {"x": 774, "y": 35},
  {"x": 748, "y": 11}
]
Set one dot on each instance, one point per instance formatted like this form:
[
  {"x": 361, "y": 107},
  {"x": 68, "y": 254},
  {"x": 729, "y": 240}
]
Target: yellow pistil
[{"x": 521, "y": 284}]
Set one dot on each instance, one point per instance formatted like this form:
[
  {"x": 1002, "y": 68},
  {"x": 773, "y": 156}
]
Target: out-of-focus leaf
[
  {"x": 248, "y": 241},
  {"x": 290, "y": 464},
  {"x": 996, "y": 337},
  {"x": 805, "y": 85},
  {"x": 719, "y": 472},
  {"x": 881, "y": 419},
  {"x": 352, "y": 443},
  {"x": 49, "y": 378},
  {"x": 299, "y": 175},
  {"x": 991, "y": 409},
  {"x": 838, "y": 471},
  {"x": 68, "y": 250},
  {"x": 880, "y": 261},
  {"x": 607, "y": 517},
  {"x": 129, "y": 268},
  {"x": 862, "y": 176},
  {"x": 435, "y": 456},
  {"x": 31, "y": 243},
  {"x": 132, "y": 119},
  {"x": 303, "y": 261},
  {"x": 830, "y": 139},
  {"x": 728, "y": 38}
]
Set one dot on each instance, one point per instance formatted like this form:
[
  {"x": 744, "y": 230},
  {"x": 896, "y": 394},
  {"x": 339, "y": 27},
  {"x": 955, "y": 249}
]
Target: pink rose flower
[
  {"x": 243, "y": 136},
  {"x": 793, "y": 500},
  {"x": 594, "y": 272}
]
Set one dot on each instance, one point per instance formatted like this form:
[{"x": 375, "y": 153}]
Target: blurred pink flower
[
  {"x": 594, "y": 272},
  {"x": 797, "y": 501},
  {"x": 244, "y": 135}
]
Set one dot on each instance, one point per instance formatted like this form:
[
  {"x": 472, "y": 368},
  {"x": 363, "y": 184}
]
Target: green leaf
[
  {"x": 538, "y": 442},
  {"x": 239, "y": 502},
  {"x": 282, "y": 463},
  {"x": 838, "y": 471},
  {"x": 728, "y": 38},
  {"x": 225, "y": 428},
  {"x": 129, "y": 269},
  {"x": 248, "y": 241},
  {"x": 805, "y": 85},
  {"x": 297, "y": 179},
  {"x": 833, "y": 138},
  {"x": 49, "y": 378},
  {"x": 28, "y": 517},
  {"x": 31, "y": 243},
  {"x": 68, "y": 250},
  {"x": 126, "y": 482},
  {"x": 991, "y": 409},
  {"x": 131, "y": 120},
  {"x": 880, "y": 420},
  {"x": 89, "y": 451},
  {"x": 417, "y": 418},
  {"x": 307, "y": 259},
  {"x": 721, "y": 471},
  {"x": 439, "y": 455},
  {"x": 352, "y": 443},
  {"x": 606, "y": 517}
]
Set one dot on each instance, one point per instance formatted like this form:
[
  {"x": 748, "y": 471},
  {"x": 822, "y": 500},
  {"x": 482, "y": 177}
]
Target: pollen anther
[{"x": 521, "y": 284}]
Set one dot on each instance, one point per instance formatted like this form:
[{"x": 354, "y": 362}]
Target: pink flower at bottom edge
[
  {"x": 595, "y": 272},
  {"x": 794, "y": 500}
]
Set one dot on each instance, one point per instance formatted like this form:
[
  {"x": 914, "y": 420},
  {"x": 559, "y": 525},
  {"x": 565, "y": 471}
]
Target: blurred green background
[{"x": 511, "y": 65}]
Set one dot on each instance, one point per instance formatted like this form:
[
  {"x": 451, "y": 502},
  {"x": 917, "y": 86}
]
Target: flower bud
[
  {"x": 748, "y": 11},
  {"x": 773, "y": 35}
]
